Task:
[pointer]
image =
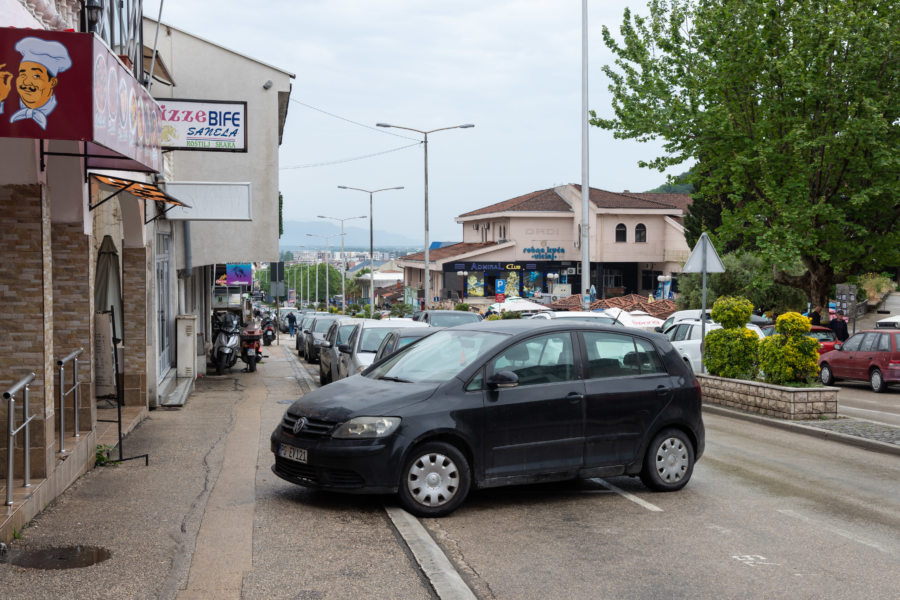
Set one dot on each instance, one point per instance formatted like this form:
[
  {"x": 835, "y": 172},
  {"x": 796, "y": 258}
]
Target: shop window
[
  {"x": 613, "y": 278},
  {"x": 640, "y": 233},
  {"x": 649, "y": 279},
  {"x": 621, "y": 233}
]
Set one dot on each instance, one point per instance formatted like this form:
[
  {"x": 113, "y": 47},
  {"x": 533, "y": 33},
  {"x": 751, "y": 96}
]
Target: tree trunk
[{"x": 815, "y": 283}]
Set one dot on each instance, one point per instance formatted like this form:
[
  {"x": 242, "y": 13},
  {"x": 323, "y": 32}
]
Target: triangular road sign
[{"x": 704, "y": 258}]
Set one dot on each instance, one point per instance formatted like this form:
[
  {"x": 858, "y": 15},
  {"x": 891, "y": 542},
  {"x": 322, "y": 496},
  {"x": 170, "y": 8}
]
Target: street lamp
[
  {"x": 343, "y": 259},
  {"x": 327, "y": 252},
  {"x": 371, "y": 240},
  {"x": 463, "y": 275},
  {"x": 425, "y": 133},
  {"x": 552, "y": 277}
]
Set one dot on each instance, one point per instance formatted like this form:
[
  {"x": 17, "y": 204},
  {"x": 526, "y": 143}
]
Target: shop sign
[
  {"x": 239, "y": 274},
  {"x": 490, "y": 267},
  {"x": 206, "y": 125},
  {"x": 543, "y": 252},
  {"x": 69, "y": 86}
]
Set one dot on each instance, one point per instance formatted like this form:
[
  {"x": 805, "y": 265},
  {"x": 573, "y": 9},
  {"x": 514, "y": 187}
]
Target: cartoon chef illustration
[{"x": 42, "y": 61}]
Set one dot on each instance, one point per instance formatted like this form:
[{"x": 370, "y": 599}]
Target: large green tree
[{"x": 791, "y": 110}]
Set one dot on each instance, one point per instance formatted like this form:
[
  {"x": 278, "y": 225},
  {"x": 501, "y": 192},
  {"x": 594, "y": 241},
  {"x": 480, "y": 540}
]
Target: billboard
[{"x": 206, "y": 125}]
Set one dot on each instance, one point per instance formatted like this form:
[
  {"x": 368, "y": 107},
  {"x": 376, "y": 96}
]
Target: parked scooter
[
  {"x": 251, "y": 350},
  {"x": 227, "y": 329},
  {"x": 268, "y": 329}
]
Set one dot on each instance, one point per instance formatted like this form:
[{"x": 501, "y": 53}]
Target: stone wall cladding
[
  {"x": 73, "y": 269},
  {"x": 135, "y": 308},
  {"x": 795, "y": 404}
]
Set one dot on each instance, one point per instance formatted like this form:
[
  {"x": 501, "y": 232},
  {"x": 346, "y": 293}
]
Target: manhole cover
[{"x": 71, "y": 557}]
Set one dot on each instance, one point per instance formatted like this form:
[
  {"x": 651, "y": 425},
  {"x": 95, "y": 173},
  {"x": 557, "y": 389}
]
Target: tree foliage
[{"x": 791, "y": 110}]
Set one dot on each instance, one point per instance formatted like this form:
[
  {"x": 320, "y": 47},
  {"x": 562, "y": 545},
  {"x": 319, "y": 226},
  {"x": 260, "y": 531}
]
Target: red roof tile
[
  {"x": 661, "y": 309},
  {"x": 539, "y": 201},
  {"x": 606, "y": 199},
  {"x": 448, "y": 251}
]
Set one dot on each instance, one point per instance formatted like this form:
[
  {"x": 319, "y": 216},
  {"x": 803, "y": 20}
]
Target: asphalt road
[{"x": 856, "y": 399}]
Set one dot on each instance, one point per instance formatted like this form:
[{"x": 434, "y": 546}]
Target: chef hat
[{"x": 51, "y": 55}]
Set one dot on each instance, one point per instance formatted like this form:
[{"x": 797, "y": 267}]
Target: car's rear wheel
[
  {"x": 669, "y": 461},
  {"x": 435, "y": 480},
  {"x": 825, "y": 375},
  {"x": 877, "y": 381}
]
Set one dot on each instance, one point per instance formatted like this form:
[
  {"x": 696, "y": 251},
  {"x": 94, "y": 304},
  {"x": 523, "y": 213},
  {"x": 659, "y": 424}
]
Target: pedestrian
[
  {"x": 839, "y": 326},
  {"x": 815, "y": 317},
  {"x": 292, "y": 321}
]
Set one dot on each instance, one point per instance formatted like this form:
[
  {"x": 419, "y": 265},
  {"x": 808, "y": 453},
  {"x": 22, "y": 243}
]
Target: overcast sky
[{"x": 510, "y": 67}]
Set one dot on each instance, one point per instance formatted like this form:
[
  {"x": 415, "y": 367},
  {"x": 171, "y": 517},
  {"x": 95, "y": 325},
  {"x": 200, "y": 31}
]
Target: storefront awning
[
  {"x": 78, "y": 90},
  {"x": 137, "y": 189}
]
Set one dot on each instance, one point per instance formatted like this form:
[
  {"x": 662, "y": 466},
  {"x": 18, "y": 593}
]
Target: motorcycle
[
  {"x": 251, "y": 351},
  {"x": 268, "y": 329},
  {"x": 227, "y": 329}
]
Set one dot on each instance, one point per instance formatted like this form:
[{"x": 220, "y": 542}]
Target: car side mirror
[
  {"x": 324, "y": 344},
  {"x": 502, "y": 380},
  {"x": 345, "y": 348},
  {"x": 838, "y": 346},
  {"x": 657, "y": 329}
]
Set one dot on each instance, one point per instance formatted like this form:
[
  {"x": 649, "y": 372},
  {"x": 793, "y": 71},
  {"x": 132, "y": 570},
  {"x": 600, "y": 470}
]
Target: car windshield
[
  {"x": 322, "y": 325},
  {"x": 438, "y": 357},
  {"x": 372, "y": 337},
  {"x": 822, "y": 336},
  {"x": 449, "y": 319}
]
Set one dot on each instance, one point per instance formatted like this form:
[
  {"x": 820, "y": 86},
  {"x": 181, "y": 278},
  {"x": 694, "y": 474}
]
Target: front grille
[
  {"x": 340, "y": 478},
  {"x": 313, "y": 428}
]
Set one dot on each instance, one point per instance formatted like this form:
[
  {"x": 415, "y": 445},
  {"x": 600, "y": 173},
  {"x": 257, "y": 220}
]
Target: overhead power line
[
  {"x": 345, "y": 160},
  {"x": 378, "y": 129}
]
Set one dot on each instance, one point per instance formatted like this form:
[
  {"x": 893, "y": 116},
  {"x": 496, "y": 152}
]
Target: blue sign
[
  {"x": 500, "y": 286},
  {"x": 544, "y": 253}
]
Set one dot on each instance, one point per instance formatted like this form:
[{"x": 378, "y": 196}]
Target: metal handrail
[
  {"x": 10, "y": 397},
  {"x": 72, "y": 357}
]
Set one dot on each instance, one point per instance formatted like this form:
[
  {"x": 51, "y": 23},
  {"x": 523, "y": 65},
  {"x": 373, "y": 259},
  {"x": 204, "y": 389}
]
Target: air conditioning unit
[
  {"x": 186, "y": 346},
  {"x": 570, "y": 270}
]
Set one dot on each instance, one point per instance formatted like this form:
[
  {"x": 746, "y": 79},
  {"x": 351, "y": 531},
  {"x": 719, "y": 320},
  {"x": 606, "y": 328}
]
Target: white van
[{"x": 681, "y": 315}]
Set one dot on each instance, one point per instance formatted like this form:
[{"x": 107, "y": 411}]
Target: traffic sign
[
  {"x": 704, "y": 258},
  {"x": 501, "y": 298}
]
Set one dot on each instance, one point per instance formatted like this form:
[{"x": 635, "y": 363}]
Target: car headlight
[{"x": 367, "y": 427}]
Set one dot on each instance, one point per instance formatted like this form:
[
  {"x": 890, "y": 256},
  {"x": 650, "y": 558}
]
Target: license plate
[{"x": 292, "y": 453}]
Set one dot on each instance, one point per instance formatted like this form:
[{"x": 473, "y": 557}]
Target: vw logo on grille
[{"x": 300, "y": 424}]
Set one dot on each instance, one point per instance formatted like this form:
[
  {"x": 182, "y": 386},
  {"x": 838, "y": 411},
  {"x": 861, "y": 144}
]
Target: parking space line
[
  {"x": 446, "y": 581},
  {"x": 628, "y": 496},
  {"x": 834, "y": 530}
]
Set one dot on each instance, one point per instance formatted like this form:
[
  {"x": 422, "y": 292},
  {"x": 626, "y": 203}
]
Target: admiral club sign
[{"x": 209, "y": 125}]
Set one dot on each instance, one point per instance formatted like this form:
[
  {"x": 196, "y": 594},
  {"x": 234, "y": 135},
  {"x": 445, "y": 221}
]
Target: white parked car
[
  {"x": 685, "y": 337},
  {"x": 359, "y": 351},
  {"x": 590, "y": 317}
]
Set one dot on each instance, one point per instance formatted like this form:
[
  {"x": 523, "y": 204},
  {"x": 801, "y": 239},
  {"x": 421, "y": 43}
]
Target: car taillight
[{"x": 698, "y": 389}]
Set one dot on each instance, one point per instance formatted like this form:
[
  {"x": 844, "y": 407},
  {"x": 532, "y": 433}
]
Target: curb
[{"x": 825, "y": 434}]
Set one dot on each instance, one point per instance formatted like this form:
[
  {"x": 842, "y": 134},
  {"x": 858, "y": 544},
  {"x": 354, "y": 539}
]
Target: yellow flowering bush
[
  {"x": 731, "y": 351},
  {"x": 789, "y": 356}
]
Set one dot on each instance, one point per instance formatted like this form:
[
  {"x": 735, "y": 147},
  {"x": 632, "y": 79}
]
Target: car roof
[
  {"x": 416, "y": 331},
  {"x": 525, "y": 326},
  {"x": 395, "y": 323}
]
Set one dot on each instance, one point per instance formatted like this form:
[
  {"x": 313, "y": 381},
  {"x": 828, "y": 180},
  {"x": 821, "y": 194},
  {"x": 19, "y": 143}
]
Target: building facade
[{"x": 529, "y": 246}]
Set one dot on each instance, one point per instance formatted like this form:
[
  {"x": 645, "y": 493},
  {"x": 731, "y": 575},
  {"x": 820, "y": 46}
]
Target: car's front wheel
[
  {"x": 825, "y": 375},
  {"x": 669, "y": 461},
  {"x": 877, "y": 381},
  {"x": 436, "y": 480}
]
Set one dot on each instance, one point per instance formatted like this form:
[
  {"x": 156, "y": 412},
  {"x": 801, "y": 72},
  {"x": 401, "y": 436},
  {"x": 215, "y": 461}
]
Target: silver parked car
[
  {"x": 329, "y": 355},
  {"x": 359, "y": 352}
]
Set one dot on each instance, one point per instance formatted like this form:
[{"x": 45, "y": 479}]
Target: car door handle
[
  {"x": 662, "y": 390},
  {"x": 574, "y": 397}
]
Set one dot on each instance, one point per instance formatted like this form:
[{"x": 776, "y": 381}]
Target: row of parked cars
[{"x": 430, "y": 410}]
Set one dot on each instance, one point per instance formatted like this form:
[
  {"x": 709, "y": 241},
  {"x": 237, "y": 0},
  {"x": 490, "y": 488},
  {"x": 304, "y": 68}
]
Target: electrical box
[{"x": 186, "y": 348}]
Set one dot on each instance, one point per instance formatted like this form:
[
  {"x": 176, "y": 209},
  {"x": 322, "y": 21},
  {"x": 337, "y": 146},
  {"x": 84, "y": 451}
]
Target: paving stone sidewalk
[{"x": 862, "y": 429}]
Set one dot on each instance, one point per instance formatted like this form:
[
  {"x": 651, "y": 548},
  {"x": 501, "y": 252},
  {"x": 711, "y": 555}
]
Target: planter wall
[{"x": 795, "y": 404}]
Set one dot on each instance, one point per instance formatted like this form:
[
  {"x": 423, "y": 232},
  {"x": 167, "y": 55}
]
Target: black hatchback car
[{"x": 499, "y": 403}]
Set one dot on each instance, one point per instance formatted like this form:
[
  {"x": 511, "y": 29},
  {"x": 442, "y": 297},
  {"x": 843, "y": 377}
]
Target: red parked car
[
  {"x": 872, "y": 355},
  {"x": 823, "y": 335}
]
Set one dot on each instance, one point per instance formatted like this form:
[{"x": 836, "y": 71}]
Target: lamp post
[
  {"x": 371, "y": 240},
  {"x": 552, "y": 277},
  {"x": 327, "y": 252},
  {"x": 425, "y": 134},
  {"x": 343, "y": 259},
  {"x": 463, "y": 275}
]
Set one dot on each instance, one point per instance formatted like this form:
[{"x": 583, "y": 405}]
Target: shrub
[
  {"x": 789, "y": 356},
  {"x": 874, "y": 285},
  {"x": 510, "y": 314},
  {"x": 731, "y": 311},
  {"x": 462, "y": 306},
  {"x": 494, "y": 317},
  {"x": 731, "y": 351}
]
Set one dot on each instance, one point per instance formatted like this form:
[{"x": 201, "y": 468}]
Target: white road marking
[
  {"x": 752, "y": 560},
  {"x": 627, "y": 496},
  {"x": 447, "y": 583},
  {"x": 834, "y": 530}
]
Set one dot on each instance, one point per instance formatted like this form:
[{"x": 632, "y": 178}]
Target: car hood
[{"x": 359, "y": 396}]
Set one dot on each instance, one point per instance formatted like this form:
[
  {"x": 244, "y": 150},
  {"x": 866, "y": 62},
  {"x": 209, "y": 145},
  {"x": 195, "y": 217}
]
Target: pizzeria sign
[{"x": 205, "y": 125}]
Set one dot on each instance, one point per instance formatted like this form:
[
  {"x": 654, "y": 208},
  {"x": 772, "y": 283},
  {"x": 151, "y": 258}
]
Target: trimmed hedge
[{"x": 789, "y": 355}]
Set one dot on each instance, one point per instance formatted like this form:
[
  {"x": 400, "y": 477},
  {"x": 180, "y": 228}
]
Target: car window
[
  {"x": 405, "y": 341},
  {"x": 332, "y": 332},
  {"x": 869, "y": 343},
  {"x": 542, "y": 359},
  {"x": 649, "y": 359},
  {"x": 884, "y": 342},
  {"x": 610, "y": 355},
  {"x": 371, "y": 338},
  {"x": 383, "y": 347},
  {"x": 449, "y": 319},
  {"x": 344, "y": 333},
  {"x": 852, "y": 345},
  {"x": 897, "y": 342},
  {"x": 322, "y": 325},
  {"x": 822, "y": 336},
  {"x": 477, "y": 382},
  {"x": 681, "y": 333}
]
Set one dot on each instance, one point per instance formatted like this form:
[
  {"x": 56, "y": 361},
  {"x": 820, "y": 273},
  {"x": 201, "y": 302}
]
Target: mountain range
[{"x": 295, "y": 236}]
